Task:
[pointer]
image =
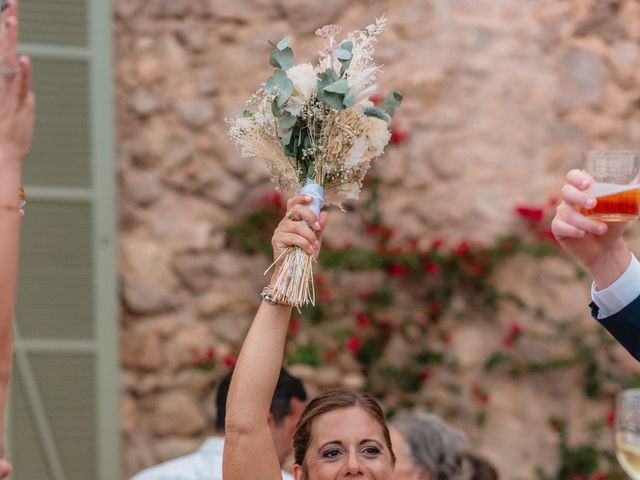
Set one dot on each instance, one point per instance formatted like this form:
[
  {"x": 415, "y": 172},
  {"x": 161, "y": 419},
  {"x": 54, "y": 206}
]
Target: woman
[
  {"x": 429, "y": 449},
  {"x": 341, "y": 434},
  {"x": 16, "y": 128}
]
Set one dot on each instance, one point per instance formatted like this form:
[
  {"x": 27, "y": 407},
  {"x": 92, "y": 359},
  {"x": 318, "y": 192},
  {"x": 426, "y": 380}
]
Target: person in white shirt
[
  {"x": 600, "y": 248},
  {"x": 206, "y": 463}
]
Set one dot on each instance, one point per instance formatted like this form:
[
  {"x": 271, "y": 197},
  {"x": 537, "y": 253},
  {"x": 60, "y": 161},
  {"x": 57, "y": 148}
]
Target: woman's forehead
[{"x": 346, "y": 424}]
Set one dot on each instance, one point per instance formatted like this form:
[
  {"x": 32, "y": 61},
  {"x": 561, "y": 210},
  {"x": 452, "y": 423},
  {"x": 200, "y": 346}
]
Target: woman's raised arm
[
  {"x": 17, "y": 105},
  {"x": 249, "y": 447}
]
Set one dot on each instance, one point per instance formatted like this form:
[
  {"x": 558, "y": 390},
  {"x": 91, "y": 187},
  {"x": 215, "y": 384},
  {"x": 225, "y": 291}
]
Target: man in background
[{"x": 206, "y": 464}]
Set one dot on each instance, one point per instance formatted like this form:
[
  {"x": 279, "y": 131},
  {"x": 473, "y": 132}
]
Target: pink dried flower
[{"x": 329, "y": 33}]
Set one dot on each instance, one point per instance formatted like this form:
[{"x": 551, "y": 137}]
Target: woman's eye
[
  {"x": 331, "y": 453},
  {"x": 371, "y": 451}
]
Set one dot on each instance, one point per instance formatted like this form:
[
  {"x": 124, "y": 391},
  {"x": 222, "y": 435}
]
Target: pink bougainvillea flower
[
  {"x": 611, "y": 417},
  {"x": 399, "y": 136},
  {"x": 547, "y": 234},
  {"x": 514, "y": 333},
  {"x": 294, "y": 325},
  {"x": 211, "y": 352},
  {"x": 354, "y": 343},
  {"x": 437, "y": 244},
  {"x": 480, "y": 395},
  {"x": 431, "y": 268},
  {"x": 462, "y": 249},
  {"x": 376, "y": 98},
  {"x": 532, "y": 214},
  {"x": 363, "y": 321},
  {"x": 397, "y": 270},
  {"x": 229, "y": 361}
]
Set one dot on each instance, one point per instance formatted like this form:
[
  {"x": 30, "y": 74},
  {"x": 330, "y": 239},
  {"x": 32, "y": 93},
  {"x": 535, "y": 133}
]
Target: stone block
[{"x": 177, "y": 413}]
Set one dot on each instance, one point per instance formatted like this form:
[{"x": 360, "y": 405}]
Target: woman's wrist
[
  {"x": 10, "y": 159},
  {"x": 10, "y": 171}
]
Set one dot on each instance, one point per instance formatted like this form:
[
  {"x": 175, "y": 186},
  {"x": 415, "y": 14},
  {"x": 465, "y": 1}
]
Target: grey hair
[{"x": 435, "y": 447}]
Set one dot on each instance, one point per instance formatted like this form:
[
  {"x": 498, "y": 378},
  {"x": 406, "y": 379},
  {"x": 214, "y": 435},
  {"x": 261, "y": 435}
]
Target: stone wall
[{"x": 501, "y": 98}]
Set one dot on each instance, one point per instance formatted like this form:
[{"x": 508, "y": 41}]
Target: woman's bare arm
[
  {"x": 17, "y": 105},
  {"x": 249, "y": 451}
]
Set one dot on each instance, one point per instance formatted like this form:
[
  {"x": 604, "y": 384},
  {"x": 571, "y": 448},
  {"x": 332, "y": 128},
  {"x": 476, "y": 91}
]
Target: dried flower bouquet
[{"x": 318, "y": 132}]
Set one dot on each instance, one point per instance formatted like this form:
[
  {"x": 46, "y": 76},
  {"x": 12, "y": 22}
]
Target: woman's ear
[{"x": 298, "y": 473}]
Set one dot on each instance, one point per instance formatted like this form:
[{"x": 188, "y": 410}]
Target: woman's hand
[
  {"x": 17, "y": 102},
  {"x": 292, "y": 232},
  {"x": 597, "y": 245},
  {"x": 5, "y": 469}
]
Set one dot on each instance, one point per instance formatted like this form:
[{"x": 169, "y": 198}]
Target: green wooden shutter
[{"x": 63, "y": 421}]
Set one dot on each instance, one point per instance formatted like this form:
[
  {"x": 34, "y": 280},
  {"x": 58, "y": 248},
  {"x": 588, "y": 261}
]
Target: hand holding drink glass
[{"x": 616, "y": 175}]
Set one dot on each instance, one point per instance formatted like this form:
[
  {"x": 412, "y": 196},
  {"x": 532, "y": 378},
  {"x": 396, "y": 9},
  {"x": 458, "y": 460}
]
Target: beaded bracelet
[
  {"x": 12, "y": 208},
  {"x": 266, "y": 295},
  {"x": 20, "y": 208}
]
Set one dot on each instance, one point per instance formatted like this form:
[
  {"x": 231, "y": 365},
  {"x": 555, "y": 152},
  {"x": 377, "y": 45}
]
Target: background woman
[
  {"x": 428, "y": 449},
  {"x": 340, "y": 434}
]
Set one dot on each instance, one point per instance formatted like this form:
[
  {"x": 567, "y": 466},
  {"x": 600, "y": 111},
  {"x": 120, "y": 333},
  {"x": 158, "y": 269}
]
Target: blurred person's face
[
  {"x": 282, "y": 432},
  {"x": 346, "y": 443},
  {"x": 405, "y": 468}
]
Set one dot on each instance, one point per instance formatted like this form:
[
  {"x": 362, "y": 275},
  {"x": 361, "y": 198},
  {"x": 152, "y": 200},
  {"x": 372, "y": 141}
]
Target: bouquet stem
[{"x": 294, "y": 285}]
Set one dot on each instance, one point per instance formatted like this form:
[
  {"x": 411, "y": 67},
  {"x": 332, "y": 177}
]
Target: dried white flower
[{"x": 305, "y": 83}]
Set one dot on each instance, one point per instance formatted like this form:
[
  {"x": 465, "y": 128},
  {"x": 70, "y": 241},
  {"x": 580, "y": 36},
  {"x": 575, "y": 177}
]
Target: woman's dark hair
[{"x": 327, "y": 402}]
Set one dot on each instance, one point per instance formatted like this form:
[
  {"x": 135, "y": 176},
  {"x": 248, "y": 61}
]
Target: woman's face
[
  {"x": 346, "y": 443},
  {"x": 405, "y": 469}
]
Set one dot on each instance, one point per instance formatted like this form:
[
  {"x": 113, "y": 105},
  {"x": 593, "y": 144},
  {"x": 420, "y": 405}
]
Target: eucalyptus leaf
[
  {"x": 341, "y": 54},
  {"x": 248, "y": 114},
  {"x": 285, "y": 92},
  {"x": 282, "y": 59},
  {"x": 276, "y": 81},
  {"x": 347, "y": 45},
  {"x": 349, "y": 100},
  {"x": 345, "y": 66},
  {"x": 286, "y": 137},
  {"x": 391, "y": 102},
  {"x": 286, "y": 120},
  {"x": 341, "y": 86},
  {"x": 325, "y": 79},
  {"x": 284, "y": 43},
  {"x": 335, "y": 100}
]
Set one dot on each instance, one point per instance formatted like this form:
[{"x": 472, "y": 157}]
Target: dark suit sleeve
[{"x": 624, "y": 326}]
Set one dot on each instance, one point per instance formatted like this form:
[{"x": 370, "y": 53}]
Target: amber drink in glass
[{"x": 616, "y": 186}]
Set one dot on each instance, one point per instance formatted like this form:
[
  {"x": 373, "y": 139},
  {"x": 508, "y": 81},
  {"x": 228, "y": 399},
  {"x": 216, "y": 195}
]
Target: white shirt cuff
[{"x": 620, "y": 293}]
